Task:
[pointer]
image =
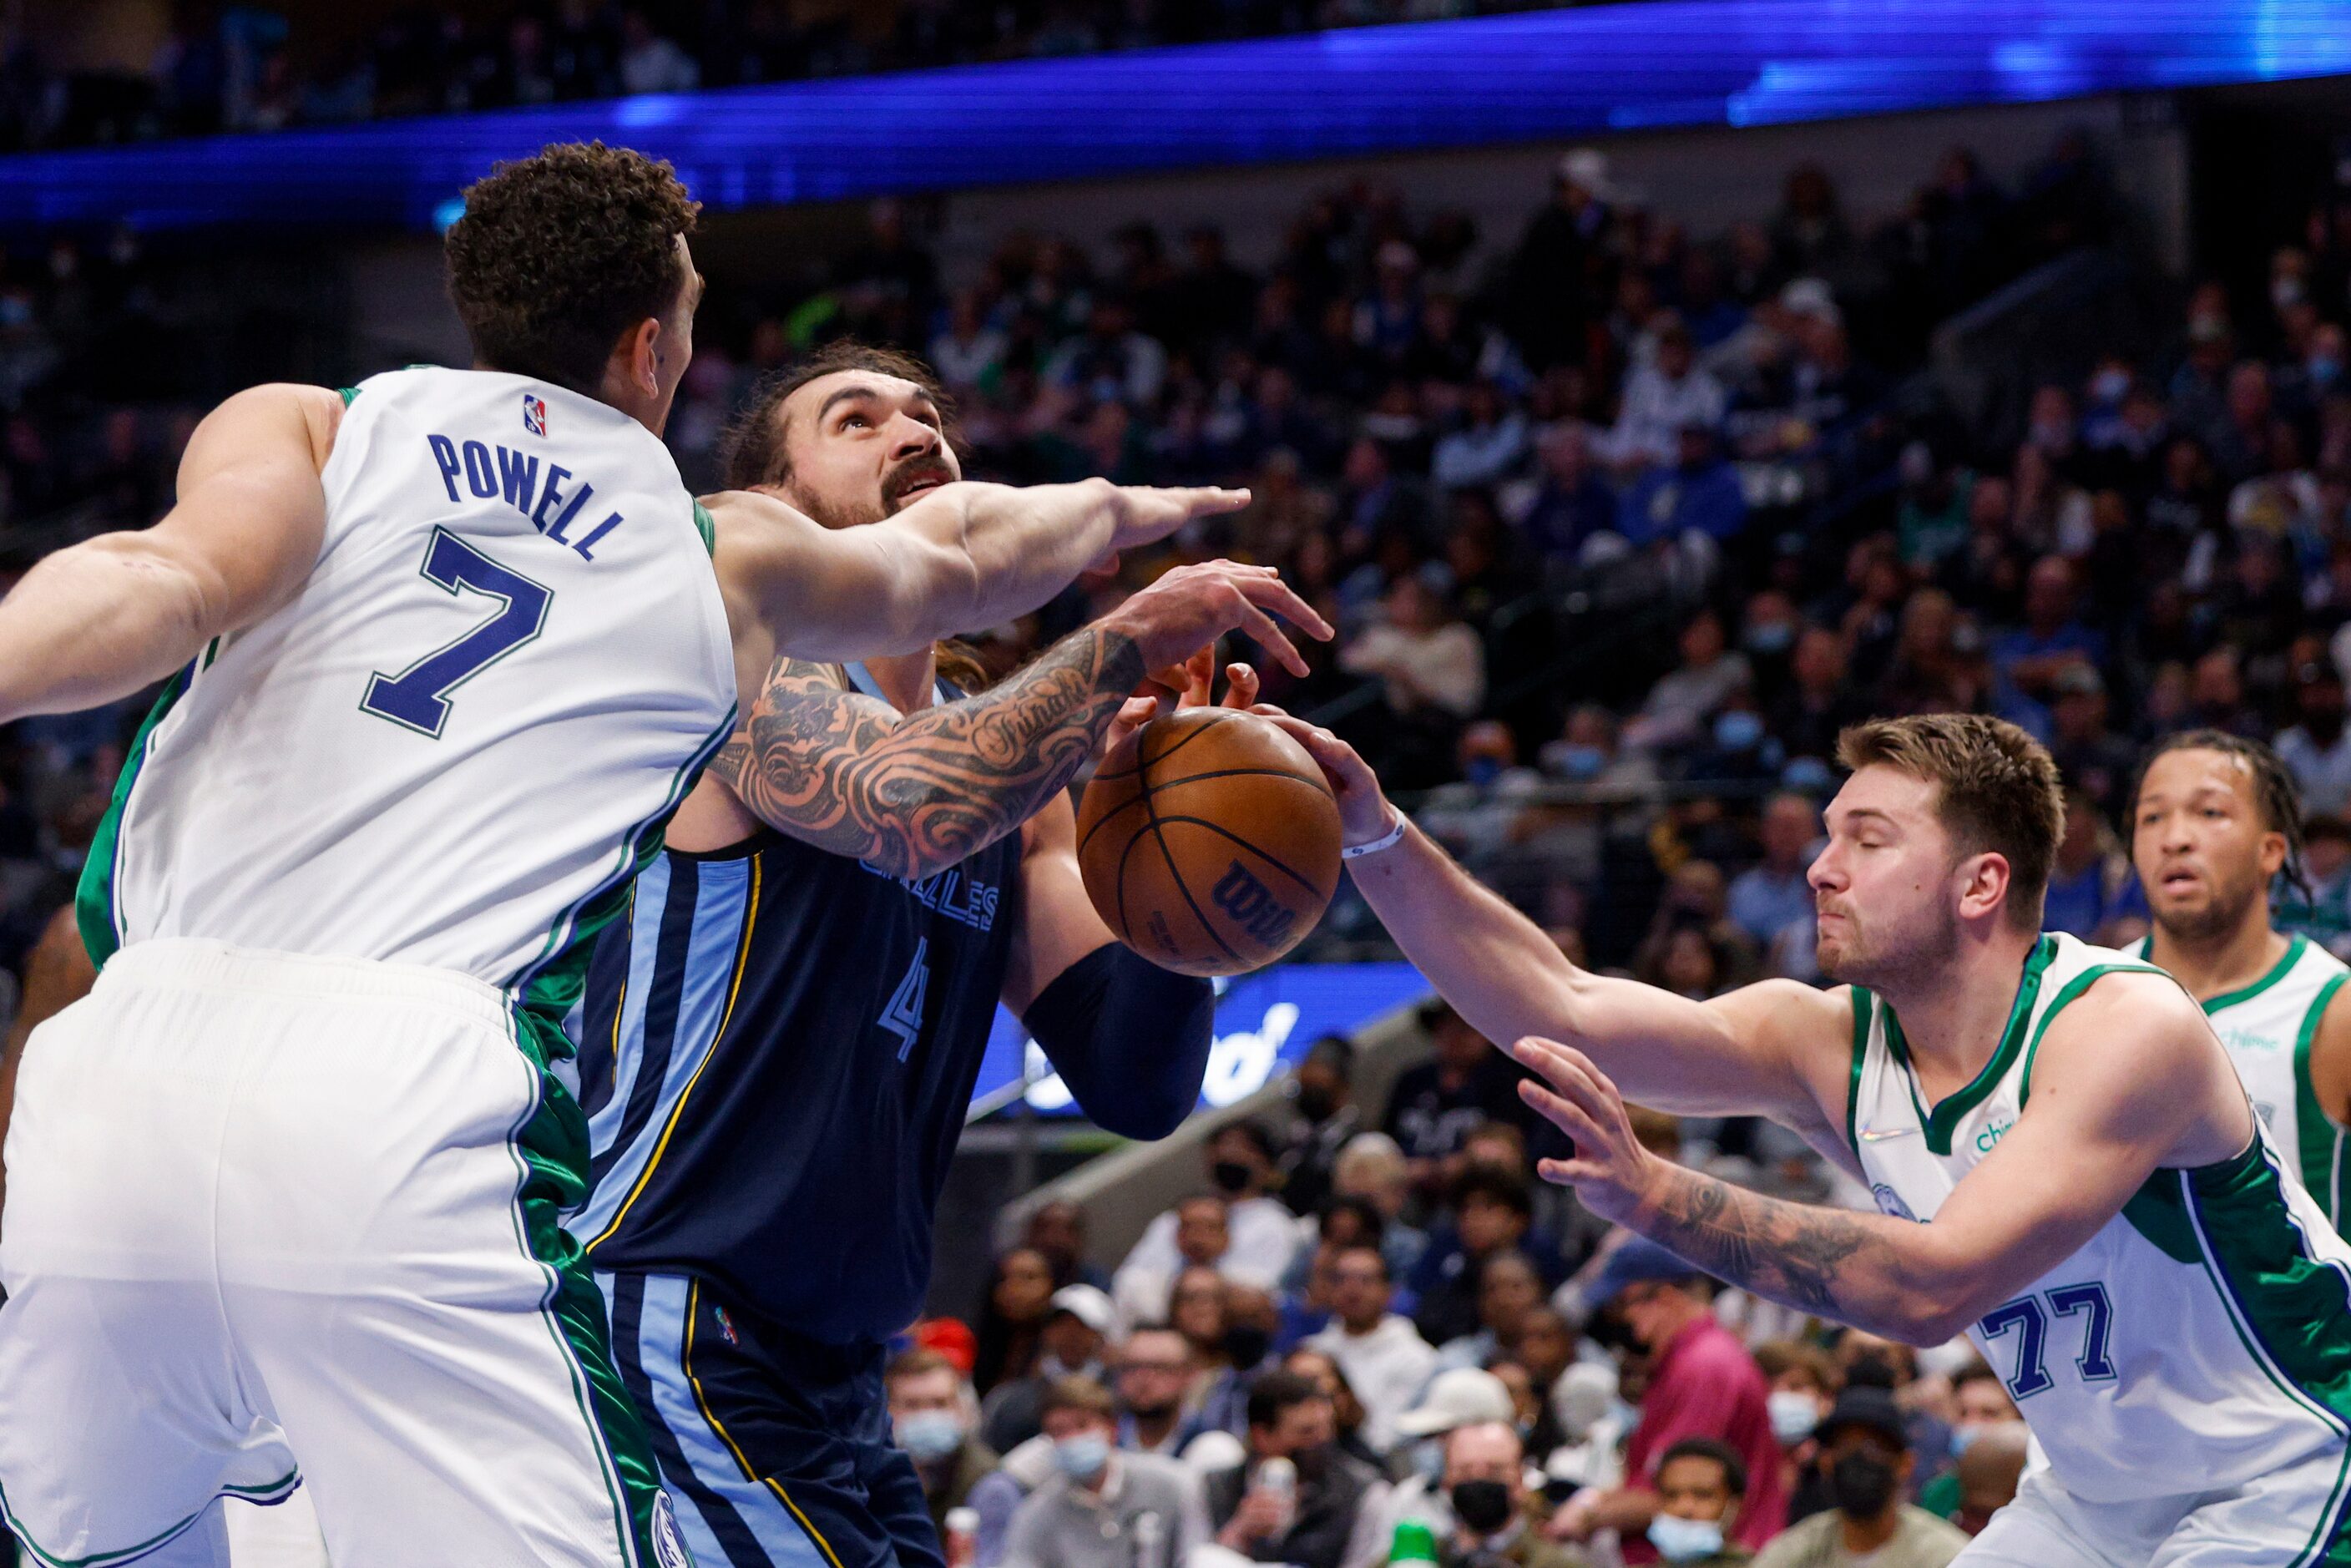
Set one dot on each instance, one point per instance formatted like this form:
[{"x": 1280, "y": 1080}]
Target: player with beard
[
  {"x": 2110, "y": 1222},
  {"x": 782, "y": 1036},
  {"x": 2216, "y": 820}
]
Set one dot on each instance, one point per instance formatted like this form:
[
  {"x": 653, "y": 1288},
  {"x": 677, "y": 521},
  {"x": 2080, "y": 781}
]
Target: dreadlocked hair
[{"x": 2275, "y": 790}]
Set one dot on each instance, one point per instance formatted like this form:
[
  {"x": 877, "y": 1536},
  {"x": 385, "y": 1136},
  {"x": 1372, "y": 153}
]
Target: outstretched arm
[
  {"x": 97, "y": 621},
  {"x": 963, "y": 557},
  {"x": 2127, "y": 1080},
  {"x": 1130, "y": 1040},
  {"x": 1775, "y": 1049},
  {"x": 915, "y": 794}
]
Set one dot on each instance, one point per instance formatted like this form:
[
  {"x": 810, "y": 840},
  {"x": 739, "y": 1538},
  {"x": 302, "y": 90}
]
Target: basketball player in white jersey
[
  {"x": 2217, "y": 820},
  {"x": 2109, "y": 1222},
  {"x": 450, "y": 650}
]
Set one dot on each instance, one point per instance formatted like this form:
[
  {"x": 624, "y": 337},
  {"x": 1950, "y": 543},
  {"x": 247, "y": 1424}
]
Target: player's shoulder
[{"x": 1796, "y": 1011}]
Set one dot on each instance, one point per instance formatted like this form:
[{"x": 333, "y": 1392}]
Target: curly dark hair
[
  {"x": 2275, "y": 790},
  {"x": 560, "y": 255},
  {"x": 752, "y": 450}
]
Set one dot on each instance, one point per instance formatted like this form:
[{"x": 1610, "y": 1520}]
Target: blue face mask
[
  {"x": 930, "y": 1434},
  {"x": 1771, "y": 637},
  {"x": 1737, "y": 730},
  {"x": 1483, "y": 770},
  {"x": 1963, "y": 1439},
  {"x": 2324, "y": 369},
  {"x": 1684, "y": 1540},
  {"x": 1578, "y": 760},
  {"x": 1082, "y": 1457}
]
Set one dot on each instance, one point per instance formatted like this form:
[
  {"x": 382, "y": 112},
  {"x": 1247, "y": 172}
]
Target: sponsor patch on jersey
[
  {"x": 669, "y": 1541},
  {"x": 1890, "y": 1202},
  {"x": 534, "y": 413}
]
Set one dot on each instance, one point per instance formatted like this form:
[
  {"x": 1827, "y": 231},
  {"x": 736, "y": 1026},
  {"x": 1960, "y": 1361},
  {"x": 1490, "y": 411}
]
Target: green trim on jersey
[
  {"x": 2293, "y": 1310},
  {"x": 1944, "y": 1120},
  {"x": 2247, "y": 993},
  {"x": 1860, "y": 1054},
  {"x": 708, "y": 527},
  {"x": 274, "y": 1491},
  {"x": 550, "y": 1153},
  {"x": 94, "y": 905},
  {"x": 549, "y": 986},
  {"x": 2065, "y": 998},
  {"x": 350, "y": 395},
  {"x": 2319, "y": 1138}
]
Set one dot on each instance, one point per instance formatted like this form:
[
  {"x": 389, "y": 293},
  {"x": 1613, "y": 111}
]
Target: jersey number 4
[
  {"x": 418, "y": 698},
  {"x": 904, "y": 1016},
  {"x": 2028, "y": 1317}
]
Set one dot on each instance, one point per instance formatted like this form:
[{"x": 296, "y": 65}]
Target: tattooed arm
[
  {"x": 2128, "y": 1079},
  {"x": 914, "y": 795}
]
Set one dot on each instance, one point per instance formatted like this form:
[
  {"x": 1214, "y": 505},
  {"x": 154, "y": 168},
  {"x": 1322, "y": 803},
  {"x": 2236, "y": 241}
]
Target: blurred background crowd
[{"x": 1624, "y": 508}]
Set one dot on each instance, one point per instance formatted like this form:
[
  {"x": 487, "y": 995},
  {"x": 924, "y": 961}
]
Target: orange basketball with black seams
[{"x": 1218, "y": 851}]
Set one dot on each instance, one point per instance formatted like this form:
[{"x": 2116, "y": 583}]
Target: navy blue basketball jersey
[{"x": 777, "y": 1050}]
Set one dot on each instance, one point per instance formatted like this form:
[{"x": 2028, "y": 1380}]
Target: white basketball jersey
[
  {"x": 2267, "y": 1028},
  {"x": 458, "y": 741},
  {"x": 2200, "y": 1339}
]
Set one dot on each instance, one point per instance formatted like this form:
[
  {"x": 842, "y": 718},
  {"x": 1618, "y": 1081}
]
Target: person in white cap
[
  {"x": 1465, "y": 1396},
  {"x": 1077, "y": 1325}
]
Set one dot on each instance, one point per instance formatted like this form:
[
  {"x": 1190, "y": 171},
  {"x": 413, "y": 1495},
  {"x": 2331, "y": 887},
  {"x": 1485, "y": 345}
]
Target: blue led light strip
[{"x": 1445, "y": 84}]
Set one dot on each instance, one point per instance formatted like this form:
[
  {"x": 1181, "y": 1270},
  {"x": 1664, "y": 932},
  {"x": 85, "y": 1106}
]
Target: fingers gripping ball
[{"x": 1218, "y": 851}]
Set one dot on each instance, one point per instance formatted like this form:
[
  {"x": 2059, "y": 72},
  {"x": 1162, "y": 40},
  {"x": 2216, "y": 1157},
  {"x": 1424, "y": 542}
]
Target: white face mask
[
  {"x": 1684, "y": 1540},
  {"x": 1793, "y": 1413}
]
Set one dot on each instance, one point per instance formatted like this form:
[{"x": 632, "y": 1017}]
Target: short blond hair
[{"x": 1996, "y": 791}]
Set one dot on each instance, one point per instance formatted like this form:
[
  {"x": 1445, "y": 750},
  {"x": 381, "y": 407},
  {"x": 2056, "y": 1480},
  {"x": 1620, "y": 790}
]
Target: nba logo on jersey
[
  {"x": 669, "y": 1541},
  {"x": 534, "y": 414}
]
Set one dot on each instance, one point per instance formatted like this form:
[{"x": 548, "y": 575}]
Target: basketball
[{"x": 1217, "y": 850}]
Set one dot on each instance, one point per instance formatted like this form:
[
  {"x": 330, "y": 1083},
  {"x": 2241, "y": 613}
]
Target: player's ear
[
  {"x": 638, "y": 358},
  {"x": 2272, "y": 854},
  {"x": 1983, "y": 884}
]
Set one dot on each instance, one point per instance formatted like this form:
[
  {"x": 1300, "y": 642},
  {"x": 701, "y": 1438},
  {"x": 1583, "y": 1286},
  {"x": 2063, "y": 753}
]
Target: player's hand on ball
[
  {"x": 1145, "y": 514},
  {"x": 1185, "y": 685},
  {"x": 1611, "y": 1171},
  {"x": 1192, "y": 606},
  {"x": 1364, "y": 813}
]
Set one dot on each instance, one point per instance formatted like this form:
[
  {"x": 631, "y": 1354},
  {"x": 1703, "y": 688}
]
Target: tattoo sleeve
[
  {"x": 1821, "y": 1260},
  {"x": 915, "y": 795}
]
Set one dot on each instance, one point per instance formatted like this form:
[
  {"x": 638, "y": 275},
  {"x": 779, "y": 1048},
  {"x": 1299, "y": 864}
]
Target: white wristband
[{"x": 1387, "y": 840}]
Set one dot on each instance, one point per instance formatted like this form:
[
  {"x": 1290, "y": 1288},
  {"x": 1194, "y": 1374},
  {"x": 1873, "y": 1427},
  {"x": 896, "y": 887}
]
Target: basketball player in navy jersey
[{"x": 779, "y": 1042}]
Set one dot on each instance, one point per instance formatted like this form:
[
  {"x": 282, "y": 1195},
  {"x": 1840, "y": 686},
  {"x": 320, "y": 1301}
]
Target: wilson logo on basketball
[
  {"x": 1252, "y": 904},
  {"x": 534, "y": 414}
]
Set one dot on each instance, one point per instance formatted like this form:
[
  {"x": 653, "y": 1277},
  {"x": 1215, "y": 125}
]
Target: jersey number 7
[{"x": 418, "y": 698}]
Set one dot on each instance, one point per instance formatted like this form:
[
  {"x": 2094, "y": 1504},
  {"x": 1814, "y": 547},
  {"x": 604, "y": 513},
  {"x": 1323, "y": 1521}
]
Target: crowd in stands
[
  {"x": 252, "y": 68},
  {"x": 1367, "y": 1338}
]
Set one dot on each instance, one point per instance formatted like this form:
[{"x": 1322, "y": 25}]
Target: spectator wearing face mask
[
  {"x": 1804, "y": 1382},
  {"x": 1323, "y": 1097},
  {"x": 1700, "y": 1485},
  {"x": 1261, "y": 1234},
  {"x": 1467, "y": 1397},
  {"x": 1867, "y": 1454},
  {"x": 1103, "y": 1509},
  {"x": 1702, "y": 1384},
  {"x": 1306, "y": 1515},
  {"x": 1485, "y": 1480},
  {"x": 1073, "y": 1339},
  {"x": 1982, "y": 1403},
  {"x": 932, "y": 1414}
]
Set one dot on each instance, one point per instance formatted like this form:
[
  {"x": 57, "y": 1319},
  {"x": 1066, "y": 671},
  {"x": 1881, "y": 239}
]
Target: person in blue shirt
[
  {"x": 1700, "y": 493},
  {"x": 780, "y": 1037}
]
